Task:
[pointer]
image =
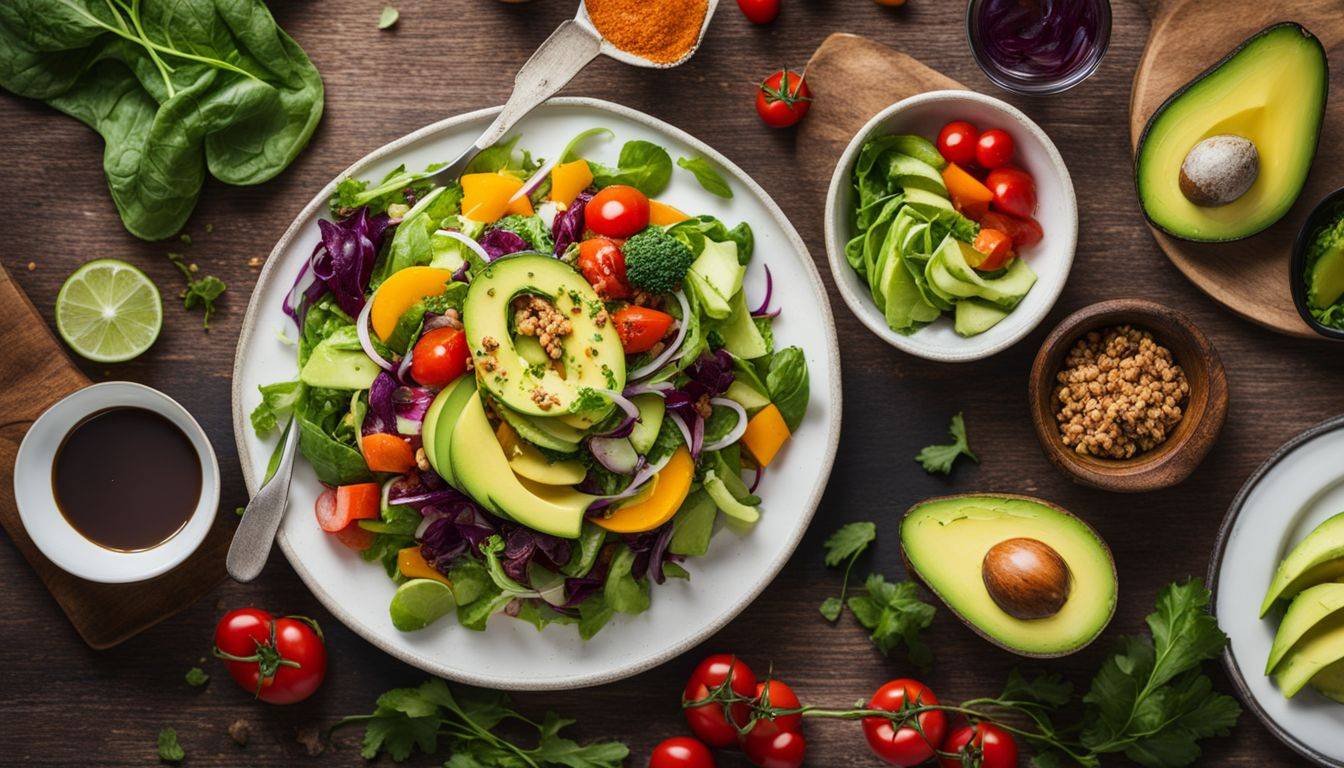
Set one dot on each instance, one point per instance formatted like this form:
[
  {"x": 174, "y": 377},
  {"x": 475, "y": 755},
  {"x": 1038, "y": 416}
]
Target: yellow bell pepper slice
[
  {"x": 662, "y": 214},
  {"x": 674, "y": 483},
  {"x": 485, "y": 196},
  {"x": 413, "y": 565},
  {"x": 400, "y": 291},
  {"x": 766, "y": 434},
  {"x": 568, "y": 180}
]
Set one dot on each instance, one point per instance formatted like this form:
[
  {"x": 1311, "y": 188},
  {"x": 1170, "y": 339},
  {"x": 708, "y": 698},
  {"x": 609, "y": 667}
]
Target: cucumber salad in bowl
[{"x": 535, "y": 390}]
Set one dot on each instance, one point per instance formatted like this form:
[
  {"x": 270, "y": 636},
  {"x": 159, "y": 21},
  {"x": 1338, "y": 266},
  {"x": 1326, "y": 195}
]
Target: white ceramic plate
[
  {"x": 1301, "y": 485},
  {"x": 1057, "y": 212},
  {"x": 512, "y": 654}
]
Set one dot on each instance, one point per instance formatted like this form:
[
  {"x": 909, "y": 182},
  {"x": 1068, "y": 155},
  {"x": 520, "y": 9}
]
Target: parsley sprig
[
  {"x": 433, "y": 716},
  {"x": 200, "y": 292},
  {"x": 1150, "y": 701},
  {"x": 939, "y": 458},
  {"x": 845, "y": 546}
]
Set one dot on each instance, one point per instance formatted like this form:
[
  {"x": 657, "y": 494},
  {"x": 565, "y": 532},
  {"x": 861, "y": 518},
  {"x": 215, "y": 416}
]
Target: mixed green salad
[{"x": 536, "y": 389}]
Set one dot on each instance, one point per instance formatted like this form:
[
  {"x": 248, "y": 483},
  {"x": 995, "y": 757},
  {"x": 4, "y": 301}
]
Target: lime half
[
  {"x": 108, "y": 311},
  {"x": 419, "y": 603}
]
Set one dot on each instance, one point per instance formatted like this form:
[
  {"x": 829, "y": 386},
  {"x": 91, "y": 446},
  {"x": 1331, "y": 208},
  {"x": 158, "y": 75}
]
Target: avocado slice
[
  {"x": 1325, "y": 281},
  {"x": 945, "y": 541},
  {"x": 1309, "y": 608},
  {"x": 1315, "y": 560},
  {"x": 437, "y": 432},
  {"x": 549, "y": 433},
  {"x": 1329, "y": 682},
  {"x": 652, "y": 409},
  {"x": 339, "y": 362},
  {"x": 1270, "y": 90},
  {"x": 592, "y": 352},
  {"x": 483, "y": 472},
  {"x": 1320, "y": 647}
]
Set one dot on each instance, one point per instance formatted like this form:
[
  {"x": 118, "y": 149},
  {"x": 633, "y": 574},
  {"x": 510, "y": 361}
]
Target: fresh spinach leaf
[
  {"x": 642, "y": 165},
  {"x": 693, "y": 525},
  {"x": 787, "y": 381},
  {"x": 174, "y": 87},
  {"x": 571, "y": 150},
  {"x": 624, "y": 593},
  {"x": 277, "y": 403},
  {"x": 707, "y": 175}
]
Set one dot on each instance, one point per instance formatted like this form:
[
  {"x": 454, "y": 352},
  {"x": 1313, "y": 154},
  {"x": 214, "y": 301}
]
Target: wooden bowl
[
  {"x": 1296, "y": 265},
  {"x": 1205, "y": 409}
]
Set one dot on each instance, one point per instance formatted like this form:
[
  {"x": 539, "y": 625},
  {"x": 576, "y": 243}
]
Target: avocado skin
[
  {"x": 914, "y": 572},
  {"x": 1177, "y": 96}
]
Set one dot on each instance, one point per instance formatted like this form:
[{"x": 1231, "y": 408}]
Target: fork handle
[{"x": 569, "y": 49}]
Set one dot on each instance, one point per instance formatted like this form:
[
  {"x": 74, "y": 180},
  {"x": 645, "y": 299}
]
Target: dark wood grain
[
  {"x": 66, "y": 705},
  {"x": 1205, "y": 410}
]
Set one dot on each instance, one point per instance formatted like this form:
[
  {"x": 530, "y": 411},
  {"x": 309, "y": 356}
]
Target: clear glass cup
[{"x": 1034, "y": 83}]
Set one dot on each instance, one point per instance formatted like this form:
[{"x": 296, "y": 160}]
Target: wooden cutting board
[
  {"x": 840, "y": 108},
  {"x": 1249, "y": 276},
  {"x": 37, "y": 373}
]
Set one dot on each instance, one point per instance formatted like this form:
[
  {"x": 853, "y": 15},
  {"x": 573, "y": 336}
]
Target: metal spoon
[{"x": 569, "y": 49}]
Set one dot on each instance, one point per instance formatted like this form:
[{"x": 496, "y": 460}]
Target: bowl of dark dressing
[{"x": 116, "y": 483}]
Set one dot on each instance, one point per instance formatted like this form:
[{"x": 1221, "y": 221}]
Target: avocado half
[
  {"x": 944, "y": 541},
  {"x": 1271, "y": 89}
]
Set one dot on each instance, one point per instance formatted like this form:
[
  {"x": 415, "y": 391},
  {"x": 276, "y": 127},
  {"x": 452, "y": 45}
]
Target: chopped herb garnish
[
  {"x": 845, "y": 546},
  {"x": 939, "y": 458},
  {"x": 200, "y": 292}
]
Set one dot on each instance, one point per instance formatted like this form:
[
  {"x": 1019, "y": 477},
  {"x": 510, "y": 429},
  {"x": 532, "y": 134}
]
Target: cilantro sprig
[
  {"x": 432, "y": 716},
  {"x": 200, "y": 292},
  {"x": 893, "y": 614},
  {"x": 845, "y": 546},
  {"x": 939, "y": 458}
]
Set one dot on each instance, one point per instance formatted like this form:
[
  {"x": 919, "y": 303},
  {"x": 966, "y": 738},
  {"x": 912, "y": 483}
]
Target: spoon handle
[
  {"x": 251, "y": 544},
  {"x": 569, "y": 49}
]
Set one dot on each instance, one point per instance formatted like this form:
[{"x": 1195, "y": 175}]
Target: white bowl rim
[
  {"x": 61, "y": 543},
  {"x": 770, "y": 570},
  {"x": 861, "y": 305}
]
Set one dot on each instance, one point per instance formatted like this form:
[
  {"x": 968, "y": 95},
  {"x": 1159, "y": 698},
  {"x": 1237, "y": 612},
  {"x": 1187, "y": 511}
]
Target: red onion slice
[
  {"x": 697, "y": 436},
  {"x": 636, "y": 485},
  {"x": 362, "y": 330},
  {"x": 533, "y": 181},
  {"x": 681, "y": 425},
  {"x": 405, "y": 366},
  {"x": 769, "y": 291},
  {"x": 472, "y": 244},
  {"x": 756, "y": 480},
  {"x": 736, "y": 433},
  {"x": 666, "y": 355},
  {"x": 660, "y": 388},
  {"x": 615, "y": 454},
  {"x": 631, "y": 413}
]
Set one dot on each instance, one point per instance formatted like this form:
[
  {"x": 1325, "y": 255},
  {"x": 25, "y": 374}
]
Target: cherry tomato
[
  {"x": 904, "y": 746},
  {"x": 988, "y": 746},
  {"x": 603, "y": 266},
  {"x": 994, "y": 148},
  {"x": 707, "y": 720},
  {"x": 783, "y": 99},
  {"x": 781, "y": 696},
  {"x": 439, "y": 357},
  {"x": 641, "y": 327},
  {"x": 997, "y": 247},
  {"x": 783, "y": 749},
  {"x": 759, "y": 11},
  {"x": 280, "y": 661},
  {"x": 617, "y": 211},
  {"x": 956, "y": 142},
  {"x": 1024, "y": 232},
  {"x": 1014, "y": 191},
  {"x": 681, "y": 752}
]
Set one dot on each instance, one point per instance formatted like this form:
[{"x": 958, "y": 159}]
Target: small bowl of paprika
[{"x": 658, "y": 35}]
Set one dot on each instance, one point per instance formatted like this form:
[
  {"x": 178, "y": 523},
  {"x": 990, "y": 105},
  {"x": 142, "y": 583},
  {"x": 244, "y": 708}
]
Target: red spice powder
[{"x": 661, "y": 31}]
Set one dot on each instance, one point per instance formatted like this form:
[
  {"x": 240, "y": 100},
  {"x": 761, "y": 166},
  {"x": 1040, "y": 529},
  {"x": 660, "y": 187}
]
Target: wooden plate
[{"x": 1188, "y": 36}]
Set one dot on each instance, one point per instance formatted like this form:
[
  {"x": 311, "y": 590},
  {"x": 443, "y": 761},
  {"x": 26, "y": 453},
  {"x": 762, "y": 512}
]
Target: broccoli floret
[{"x": 656, "y": 261}]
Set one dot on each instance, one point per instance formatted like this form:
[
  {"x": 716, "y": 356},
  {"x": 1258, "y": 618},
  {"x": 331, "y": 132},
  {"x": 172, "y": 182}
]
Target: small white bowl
[
  {"x": 53, "y": 534},
  {"x": 1057, "y": 212}
]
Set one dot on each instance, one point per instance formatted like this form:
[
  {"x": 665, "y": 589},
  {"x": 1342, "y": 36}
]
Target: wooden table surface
[{"x": 65, "y": 705}]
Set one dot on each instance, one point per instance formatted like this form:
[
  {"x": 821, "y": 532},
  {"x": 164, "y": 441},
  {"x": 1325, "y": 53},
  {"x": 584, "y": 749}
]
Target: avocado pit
[
  {"x": 1026, "y": 578},
  {"x": 1219, "y": 169}
]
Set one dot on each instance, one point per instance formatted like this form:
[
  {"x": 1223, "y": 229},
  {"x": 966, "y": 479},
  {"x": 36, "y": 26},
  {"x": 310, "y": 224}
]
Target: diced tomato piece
[
  {"x": 997, "y": 247},
  {"x": 641, "y": 327},
  {"x": 1024, "y": 232}
]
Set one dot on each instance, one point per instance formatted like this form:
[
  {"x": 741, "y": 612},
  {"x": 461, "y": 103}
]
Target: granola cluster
[
  {"x": 1119, "y": 394},
  {"x": 535, "y": 316}
]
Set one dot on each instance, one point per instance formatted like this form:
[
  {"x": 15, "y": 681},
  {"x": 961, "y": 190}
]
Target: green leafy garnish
[
  {"x": 894, "y": 614},
  {"x": 169, "y": 750},
  {"x": 642, "y": 165},
  {"x": 587, "y": 399},
  {"x": 197, "y": 677},
  {"x": 200, "y": 292},
  {"x": 388, "y": 17},
  {"x": 939, "y": 458},
  {"x": 787, "y": 381},
  {"x": 845, "y": 546},
  {"x": 175, "y": 88},
  {"x": 706, "y": 174},
  {"x": 462, "y": 721}
]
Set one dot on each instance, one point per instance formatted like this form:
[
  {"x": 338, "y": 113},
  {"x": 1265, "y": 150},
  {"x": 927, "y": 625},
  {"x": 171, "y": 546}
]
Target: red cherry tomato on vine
[
  {"x": 904, "y": 746},
  {"x": 988, "y": 746},
  {"x": 994, "y": 148},
  {"x": 783, "y": 99},
  {"x": 681, "y": 752},
  {"x": 603, "y": 266},
  {"x": 617, "y": 211},
  {"x": 956, "y": 142},
  {"x": 780, "y": 696},
  {"x": 783, "y": 749},
  {"x": 1014, "y": 191},
  {"x": 439, "y": 357},
  {"x": 278, "y": 660},
  {"x": 640, "y": 327},
  {"x": 707, "y": 721},
  {"x": 759, "y": 11}
]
